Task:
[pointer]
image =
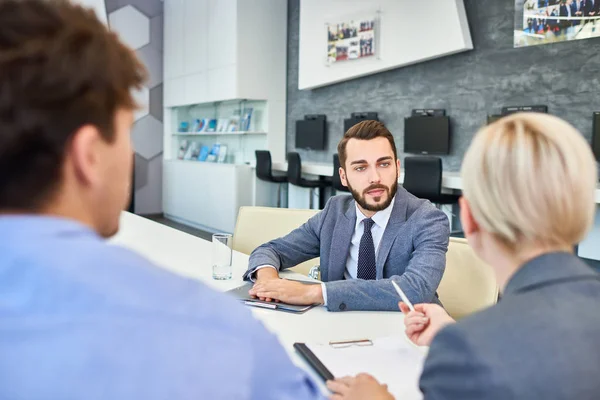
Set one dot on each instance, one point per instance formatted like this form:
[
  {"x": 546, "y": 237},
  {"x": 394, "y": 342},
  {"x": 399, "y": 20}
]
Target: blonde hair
[{"x": 531, "y": 178}]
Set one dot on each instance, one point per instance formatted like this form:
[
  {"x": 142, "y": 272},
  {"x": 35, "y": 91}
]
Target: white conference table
[{"x": 190, "y": 256}]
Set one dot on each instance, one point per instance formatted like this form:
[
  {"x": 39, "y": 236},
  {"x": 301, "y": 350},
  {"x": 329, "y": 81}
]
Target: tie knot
[{"x": 368, "y": 222}]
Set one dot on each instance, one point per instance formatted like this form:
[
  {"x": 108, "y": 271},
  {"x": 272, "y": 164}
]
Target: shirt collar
[
  {"x": 380, "y": 218},
  {"x": 32, "y": 225}
]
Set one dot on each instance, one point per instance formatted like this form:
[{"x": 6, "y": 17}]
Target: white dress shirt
[{"x": 380, "y": 220}]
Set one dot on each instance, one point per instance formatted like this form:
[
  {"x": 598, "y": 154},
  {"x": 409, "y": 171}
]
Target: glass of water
[{"x": 221, "y": 256}]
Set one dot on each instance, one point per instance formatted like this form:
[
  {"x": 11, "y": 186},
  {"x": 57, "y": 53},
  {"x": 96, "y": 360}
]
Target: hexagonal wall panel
[
  {"x": 156, "y": 102},
  {"x": 142, "y": 98},
  {"x": 156, "y": 32},
  {"x": 153, "y": 61},
  {"x": 148, "y": 200},
  {"x": 150, "y": 8},
  {"x": 132, "y": 26},
  {"x": 147, "y": 137},
  {"x": 111, "y": 5},
  {"x": 141, "y": 172}
]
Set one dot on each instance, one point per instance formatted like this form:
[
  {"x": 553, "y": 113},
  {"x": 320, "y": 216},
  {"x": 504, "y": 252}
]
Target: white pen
[
  {"x": 263, "y": 305},
  {"x": 403, "y": 296}
]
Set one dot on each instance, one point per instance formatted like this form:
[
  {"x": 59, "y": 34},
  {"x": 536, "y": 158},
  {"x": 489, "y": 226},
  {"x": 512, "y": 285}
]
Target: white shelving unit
[
  {"x": 240, "y": 144},
  {"x": 221, "y": 56}
]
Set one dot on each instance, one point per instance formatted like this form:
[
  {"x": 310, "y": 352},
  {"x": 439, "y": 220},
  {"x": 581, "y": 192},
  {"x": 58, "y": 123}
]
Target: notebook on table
[
  {"x": 241, "y": 293},
  {"x": 391, "y": 360}
]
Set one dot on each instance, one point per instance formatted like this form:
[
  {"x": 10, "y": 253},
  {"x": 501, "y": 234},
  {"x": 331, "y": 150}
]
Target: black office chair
[
  {"x": 264, "y": 172},
  {"x": 423, "y": 178},
  {"x": 336, "y": 182},
  {"x": 294, "y": 175}
]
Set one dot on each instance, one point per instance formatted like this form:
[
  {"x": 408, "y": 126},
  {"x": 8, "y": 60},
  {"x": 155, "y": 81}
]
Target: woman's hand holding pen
[{"x": 425, "y": 322}]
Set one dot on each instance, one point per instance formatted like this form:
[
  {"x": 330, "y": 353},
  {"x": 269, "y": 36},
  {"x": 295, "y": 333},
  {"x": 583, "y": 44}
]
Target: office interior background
[{"x": 209, "y": 58}]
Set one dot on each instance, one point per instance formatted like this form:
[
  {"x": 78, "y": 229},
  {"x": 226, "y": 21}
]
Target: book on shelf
[
  {"x": 203, "y": 153},
  {"x": 195, "y": 151},
  {"x": 246, "y": 119},
  {"x": 184, "y": 127},
  {"x": 203, "y": 125},
  {"x": 189, "y": 151},
  {"x": 222, "y": 125},
  {"x": 214, "y": 153},
  {"x": 234, "y": 122},
  {"x": 183, "y": 147},
  {"x": 195, "y": 125},
  {"x": 212, "y": 125},
  {"x": 222, "y": 153}
]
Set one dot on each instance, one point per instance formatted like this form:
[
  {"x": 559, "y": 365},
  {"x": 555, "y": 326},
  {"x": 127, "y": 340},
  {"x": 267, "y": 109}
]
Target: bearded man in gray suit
[{"x": 380, "y": 233}]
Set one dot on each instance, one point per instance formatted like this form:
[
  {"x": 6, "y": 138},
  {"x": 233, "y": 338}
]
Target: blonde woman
[{"x": 529, "y": 182}]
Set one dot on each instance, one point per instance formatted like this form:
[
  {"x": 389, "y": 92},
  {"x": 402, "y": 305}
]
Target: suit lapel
[
  {"x": 340, "y": 244},
  {"x": 397, "y": 218}
]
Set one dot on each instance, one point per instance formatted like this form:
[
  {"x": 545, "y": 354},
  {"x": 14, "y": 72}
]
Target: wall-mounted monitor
[
  {"x": 427, "y": 135},
  {"x": 493, "y": 118},
  {"x": 355, "y": 118},
  {"x": 311, "y": 132},
  {"x": 596, "y": 135},
  {"x": 515, "y": 109}
]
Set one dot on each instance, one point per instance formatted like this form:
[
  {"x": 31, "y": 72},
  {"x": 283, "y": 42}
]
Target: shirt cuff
[
  {"x": 252, "y": 276},
  {"x": 324, "y": 290}
]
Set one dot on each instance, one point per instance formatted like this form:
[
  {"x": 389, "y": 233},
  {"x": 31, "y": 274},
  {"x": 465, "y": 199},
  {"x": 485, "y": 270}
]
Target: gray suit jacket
[
  {"x": 541, "y": 341},
  {"x": 412, "y": 252}
]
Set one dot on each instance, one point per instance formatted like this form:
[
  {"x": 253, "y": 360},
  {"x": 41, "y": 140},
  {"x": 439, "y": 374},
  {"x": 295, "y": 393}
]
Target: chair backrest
[
  {"x": 263, "y": 165},
  {"x": 423, "y": 176},
  {"x": 468, "y": 284},
  {"x": 294, "y": 172},
  {"x": 336, "y": 181},
  {"x": 258, "y": 225}
]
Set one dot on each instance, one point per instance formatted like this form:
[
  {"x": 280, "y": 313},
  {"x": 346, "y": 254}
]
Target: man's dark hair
[
  {"x": 365, "y": 130},
  {"x": 60, "y": 69}
]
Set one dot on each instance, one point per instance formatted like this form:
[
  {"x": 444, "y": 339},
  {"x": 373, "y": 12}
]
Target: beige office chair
[
  {"x": 258, "y": 225},
  {"x": 468, "y": 284}
]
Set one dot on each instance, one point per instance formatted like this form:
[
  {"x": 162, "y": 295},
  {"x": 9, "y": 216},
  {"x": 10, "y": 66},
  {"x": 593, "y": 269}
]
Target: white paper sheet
[{"x": 391, "y": 360}]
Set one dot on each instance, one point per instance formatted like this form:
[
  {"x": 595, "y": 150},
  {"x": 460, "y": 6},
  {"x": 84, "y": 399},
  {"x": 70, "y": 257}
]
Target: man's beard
[{"x": 362, "y": 199}]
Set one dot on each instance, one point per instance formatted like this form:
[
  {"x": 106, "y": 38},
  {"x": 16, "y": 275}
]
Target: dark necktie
[{"x": 366, "y": 253}]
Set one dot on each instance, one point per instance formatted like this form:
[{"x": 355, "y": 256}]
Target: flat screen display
[
  {"x": 427, "y": 135},
  {"x": 493, "y": 118},
  {"x": 596, "y": 135},
  {"x": 310, "y": 134},
  {"x": 350, "y": 122}
]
